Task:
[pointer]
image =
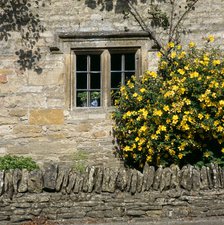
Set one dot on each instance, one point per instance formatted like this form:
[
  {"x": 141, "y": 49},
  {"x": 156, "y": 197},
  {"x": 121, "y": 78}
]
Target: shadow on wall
[
  {"x": 19, "y": 16},
  {"x": 119, "y": 7}
]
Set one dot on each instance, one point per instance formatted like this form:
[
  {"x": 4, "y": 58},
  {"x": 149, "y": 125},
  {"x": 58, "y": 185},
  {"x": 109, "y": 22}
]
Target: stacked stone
[{"x": 53, "y": 178}]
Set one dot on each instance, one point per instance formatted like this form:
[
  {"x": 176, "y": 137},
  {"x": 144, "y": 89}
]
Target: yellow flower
[
  {"x": 139, "y": 98},
  {"x": 166, "y": 108},
  {"x": 200, "y": 116},
  {"x": 181, "y": 71},
  {"x": 207, "y": 154},
  {"x": 211, "y": 38},
  {"x": 175, "y": 119},
  {"x": 192, "y": 44},
  {"x": 220, "y": 128},
  {"x": 142, "y": 90},
  {"x": 135, "y": 95},
  {"x": 194, "y": 74},
  {"x": 172, "y": 152},
  {"x": 182, "y": 55},
  {"x": 221, "y": 102},
  {"x": 159, "y": 54},
  {"x": 154, "y": 137},
  {"x": 180, "y": 155},
  {"x": 149, "y": 158},
  {"x": 127, "y": 148},
  {"x": 170, "y": 44},
  {"x": 222, "y": 150},
  {"x": 143, "y": 128},
  {"x": 173, "y": 55},
  {"x": 130, "y": 84},
  {"x": 137, "y": 139},
  {"x": 157, "y": 112},
  {"x": 162, "y": 128},
  {"x": 216, "y": 62}
]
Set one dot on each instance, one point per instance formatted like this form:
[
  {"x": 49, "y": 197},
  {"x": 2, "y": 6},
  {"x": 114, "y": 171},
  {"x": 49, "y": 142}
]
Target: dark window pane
[
  {"x": 81, "y": 99},
  {"x": 81, "y": 80},
  {"x": 95, "y": 62},
  {"x": 115, "y": 61},
  {"x": 95, "y": 98},
  {"x": 81, "y": 63},
  {"x": 128, "y": 76},
  {"x": 130, "y": 61},
  {"x": 95, "y": 81},
  {"x": 115, "y": 79}
]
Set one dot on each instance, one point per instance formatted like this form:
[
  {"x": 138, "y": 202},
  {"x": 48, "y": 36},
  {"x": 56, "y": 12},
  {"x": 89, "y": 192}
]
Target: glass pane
[
  {"x": 81, "y": 63},
  {"x": 81, "y": 99},
  {"x": 95, "y": 81},
  {"x": 115, "y": 79},
  {"x": 128, "y": 76},
  {"x": 95, "y": 62},
  {"x": 116, "y": 62},
  {"x": 130, "y": 61},
  {"x": 81, "y": 80},
  {"x": 95, "y": 99}
]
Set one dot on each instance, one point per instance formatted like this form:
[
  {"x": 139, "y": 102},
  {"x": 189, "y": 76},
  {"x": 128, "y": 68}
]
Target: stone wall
[
  {"x": 103, "y": 193},
  {"x": 34, "y": 118}
]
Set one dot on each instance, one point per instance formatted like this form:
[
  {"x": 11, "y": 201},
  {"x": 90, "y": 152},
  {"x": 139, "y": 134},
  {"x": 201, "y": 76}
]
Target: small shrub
[
  {"x": 174, "y": 115},
  {"x": 8, "y": 162}
]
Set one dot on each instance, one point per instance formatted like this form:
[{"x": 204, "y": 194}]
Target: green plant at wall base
[
  {"x": 80, "y": 161},
  {"x": 177, "y": 114},
  {"x": 8, "y": 162}
]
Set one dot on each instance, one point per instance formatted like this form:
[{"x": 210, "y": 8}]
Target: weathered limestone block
[
  {"x": 129, "y": 180},
  {"x": 215, "y": 175},
  {"x": 112, "y": 182},
  {"x": 99, "y": 180},
  {"x": 46, "y": 117},
  {"x": 175, "y": 181},
  {"x": 65, "y": 171},
  {"x": 209, "y": 175},
  {"x": 71, "y": 182},
  {"x": 8, "y": 183},
  {"x": 221, "y": 172},
  {"x": 121, "y": 181},
  {"x": 186, "y": 177},
  {"x": 91, "y": 179},
  {"x": 50, "y": 176},
  {"x": 134, "y": 180},
  {"x": 35, "y": 181},
  {"x": 140, "y": 181},
  {"x": 148, "y": 173},
  {"x": 17, "y": 176},
  {"x": 23, "y": 185},
  {"x": 2, "y": 175},
  {"x": 196, "y": 179},
  {"x": 78, "y": 184},
  {"x": 165, "y": 179},
  {"x": 109, "y": 180},
  {"x": 3, "y": 79},
  {"x": 157, "y": 178},
  {"x": 204, "y": 179}
]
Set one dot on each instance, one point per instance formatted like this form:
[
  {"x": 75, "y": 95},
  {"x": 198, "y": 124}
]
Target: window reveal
[{"x": 88, "y": 77}]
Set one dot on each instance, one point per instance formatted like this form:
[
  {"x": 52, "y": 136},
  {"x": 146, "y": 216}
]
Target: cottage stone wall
[
  {"x": 34, "y": 117},
  {"x": 102, "y": 193}
]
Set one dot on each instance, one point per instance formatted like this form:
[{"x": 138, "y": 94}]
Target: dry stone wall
[
  {"x": 102, "y": 193},
  {"x": 34, "y": 118}
]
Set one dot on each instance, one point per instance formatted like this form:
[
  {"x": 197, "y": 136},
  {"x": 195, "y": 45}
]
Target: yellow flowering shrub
[{"x": 174, "y": 115}]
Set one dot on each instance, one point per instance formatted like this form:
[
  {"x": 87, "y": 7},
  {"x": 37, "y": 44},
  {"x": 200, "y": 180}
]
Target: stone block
[
  {"x": 46, "y": 117},
  {"x": 52, "y": 77},
  {"x": 5, "y": 72},
  {"x": 3, "y": 79}
]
